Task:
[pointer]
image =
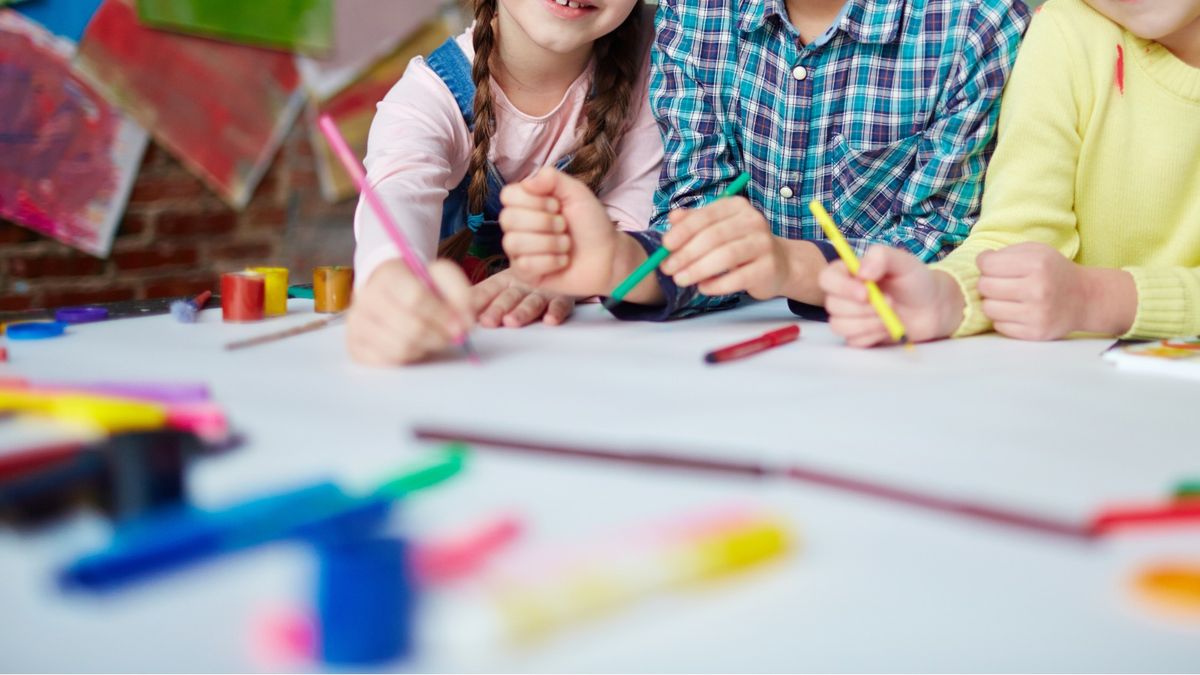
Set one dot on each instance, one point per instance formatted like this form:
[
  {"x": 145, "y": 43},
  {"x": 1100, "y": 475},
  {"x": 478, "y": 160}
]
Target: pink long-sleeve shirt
[{"x": 419, "y": 150}]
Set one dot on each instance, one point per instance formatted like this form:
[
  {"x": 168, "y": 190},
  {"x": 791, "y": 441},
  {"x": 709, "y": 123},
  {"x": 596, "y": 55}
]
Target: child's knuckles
[{"x": 1040, "y": 291}]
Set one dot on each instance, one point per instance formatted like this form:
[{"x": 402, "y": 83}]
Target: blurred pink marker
[
  {"x": 410, "y": 257},
  {"x": 463, "y": 554},
  {"x": 284, "y": 638}
]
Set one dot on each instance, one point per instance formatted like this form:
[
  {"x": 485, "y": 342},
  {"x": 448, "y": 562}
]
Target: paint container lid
[
  {"x": 364, "y": 601},
  {"x": 81, "y": 314},
  {"x": 35, "y": 330}
]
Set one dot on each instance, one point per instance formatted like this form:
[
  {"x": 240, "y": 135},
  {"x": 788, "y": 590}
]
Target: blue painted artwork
[{"x": 67, "y": 18}]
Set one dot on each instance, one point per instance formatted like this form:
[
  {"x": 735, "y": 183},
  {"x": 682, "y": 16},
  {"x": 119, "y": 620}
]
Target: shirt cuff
[
  {"x": 965, "y": 272},
  {"x": 1163, "y": 304},
  {"x": 803, "y": 309},
  {"x": 651, "y": 241}
]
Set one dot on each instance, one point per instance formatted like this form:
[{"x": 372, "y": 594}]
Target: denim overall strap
[{"x": 450, "y": 64}]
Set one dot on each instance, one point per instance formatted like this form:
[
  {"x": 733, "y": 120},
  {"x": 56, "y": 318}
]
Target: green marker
[
  {"x": 1189, "y": 489},
  {"x": 450, "y": 464},
  {"x": 652, "y": 263}
]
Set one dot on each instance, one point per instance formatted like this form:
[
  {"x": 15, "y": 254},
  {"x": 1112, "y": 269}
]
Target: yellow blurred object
[
  {"x": 531, "y": 610},
  {"x": 729, "y": 552},
  {"x": 112, "y": 415},
  {"x": 1173, "y": 586},
  {"x": 275, "y": 298}
]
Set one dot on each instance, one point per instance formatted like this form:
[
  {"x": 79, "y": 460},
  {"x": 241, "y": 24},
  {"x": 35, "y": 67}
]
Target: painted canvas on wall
[
  {"x": 365, "y": 31},
  {"x": 67, "y": 18},
  {"x": 299, "y": 25},
  {"x": 67, "y": 157},
  {"x": 354, "y": 108},
  {"x": 223, "y": 109}
]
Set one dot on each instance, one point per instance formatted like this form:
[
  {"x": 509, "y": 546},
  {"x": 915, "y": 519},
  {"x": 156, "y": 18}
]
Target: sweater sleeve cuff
[
  {"x": 650, "y": 241},
  {"x": 1167, "y": 303},
  {"x": 803, "y": 309},
  {"x": 965, "y": 272}
]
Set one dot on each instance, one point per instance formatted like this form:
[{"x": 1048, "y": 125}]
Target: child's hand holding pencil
[
  {"x": 929, "y": 303},
  {"x": 396, "y": 319}
]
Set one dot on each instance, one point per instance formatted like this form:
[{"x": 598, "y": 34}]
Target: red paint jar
[{"x": 242, "y": 297}]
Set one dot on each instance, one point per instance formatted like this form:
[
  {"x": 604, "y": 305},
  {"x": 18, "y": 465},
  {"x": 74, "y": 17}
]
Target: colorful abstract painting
[
  {"x": 67, "y": 157},
  {"x": 354, "y": 108},
  {"x": 222, "y": 109},
  {"x": 67, "y": 18},
  {"x": 365, "y": 32},
  {"x": 299, "y": 25}
]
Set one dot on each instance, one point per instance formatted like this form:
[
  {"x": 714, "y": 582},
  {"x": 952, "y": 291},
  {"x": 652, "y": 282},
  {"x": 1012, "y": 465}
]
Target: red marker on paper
[{"x": 761, "y": 343}]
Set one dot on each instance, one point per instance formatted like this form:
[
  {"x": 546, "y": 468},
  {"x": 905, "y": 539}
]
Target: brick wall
[{"x": 177, "y": 237}]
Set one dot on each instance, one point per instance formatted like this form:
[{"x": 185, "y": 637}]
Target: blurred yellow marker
[
  {"x": 1175, "y": 586},
  {"x": 112, "y": 415},
  {"x": 531, "y": 611}
]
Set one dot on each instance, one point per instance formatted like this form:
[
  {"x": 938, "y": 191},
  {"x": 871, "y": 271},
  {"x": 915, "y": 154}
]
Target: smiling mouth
[{"x": 575, "y": 4}]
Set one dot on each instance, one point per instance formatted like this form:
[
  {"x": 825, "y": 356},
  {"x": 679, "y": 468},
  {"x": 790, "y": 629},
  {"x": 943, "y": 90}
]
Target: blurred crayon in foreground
[
  {"x": 680, "y": 558},
  {"x": 168, "y": 541},
  {"x": 1173, "y": 586}
]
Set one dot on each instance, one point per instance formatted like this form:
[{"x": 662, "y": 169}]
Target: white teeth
[
  {"x": 574, "y": 5},
  {"x": 562, "y": 2}
]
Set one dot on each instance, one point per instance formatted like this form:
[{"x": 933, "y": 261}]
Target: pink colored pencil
[{"x": 415, "y": 265}]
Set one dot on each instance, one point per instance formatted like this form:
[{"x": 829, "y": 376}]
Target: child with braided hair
[{"x": 533, "y": 83}]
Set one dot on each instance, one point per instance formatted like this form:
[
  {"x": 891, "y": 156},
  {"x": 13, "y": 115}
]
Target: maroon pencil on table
[{"x": 759, "y": 344}]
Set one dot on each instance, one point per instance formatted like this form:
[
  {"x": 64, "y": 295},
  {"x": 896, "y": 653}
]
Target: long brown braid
[{"x": 618, "y": 56}]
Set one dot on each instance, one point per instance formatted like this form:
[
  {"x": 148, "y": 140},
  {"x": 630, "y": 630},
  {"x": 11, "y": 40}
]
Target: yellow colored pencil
[{"x": 886, "y": 314}]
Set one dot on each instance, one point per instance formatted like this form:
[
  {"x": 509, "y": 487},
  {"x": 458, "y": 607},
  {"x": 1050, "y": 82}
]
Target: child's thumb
[
  {"x": 543, "y": 183},
  {"x": 550, "y": 182}
]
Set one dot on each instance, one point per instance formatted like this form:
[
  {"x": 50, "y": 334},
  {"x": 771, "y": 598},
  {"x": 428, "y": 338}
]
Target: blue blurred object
[
  {"x": 66, "y": 18},
  {"x": 127, "y": 476},
  {"x": 35, "y": 330},
  {"x": 147, "y": 472},
  {"x": 321, "y": 513},
  {"x": 365, "y": 601},
  {"x": 50, "y": 491},
  {"x": 169, "y": 541}
]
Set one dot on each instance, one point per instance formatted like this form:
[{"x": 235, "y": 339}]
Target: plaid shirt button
[
  {"x": 786, "y": 192},
  {"x": 800, "y": 73}
]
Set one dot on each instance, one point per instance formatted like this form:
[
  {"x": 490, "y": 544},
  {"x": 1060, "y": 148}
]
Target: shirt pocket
[{"x": 867, "y": 178}]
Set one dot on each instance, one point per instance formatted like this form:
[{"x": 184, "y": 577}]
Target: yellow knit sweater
[{"x": 1098, "y": 155}]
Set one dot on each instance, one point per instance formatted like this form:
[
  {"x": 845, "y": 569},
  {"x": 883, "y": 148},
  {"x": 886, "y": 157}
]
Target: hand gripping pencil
[
  {"x": 415, "y": 265},
  {"x": 657, "y": 258},
  {"x": 890, "y": 321}
]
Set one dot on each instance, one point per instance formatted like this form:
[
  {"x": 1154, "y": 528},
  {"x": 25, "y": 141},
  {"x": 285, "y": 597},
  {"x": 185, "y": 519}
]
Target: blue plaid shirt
[{"x": 888, "y": 119}]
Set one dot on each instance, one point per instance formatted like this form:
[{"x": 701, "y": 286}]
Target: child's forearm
[
  {"x": 1110, "y": 301},
  {"x": 804, "y": 263},
  {"x": 629, "y": 256},
  {"x": 949, "y": 305}
]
